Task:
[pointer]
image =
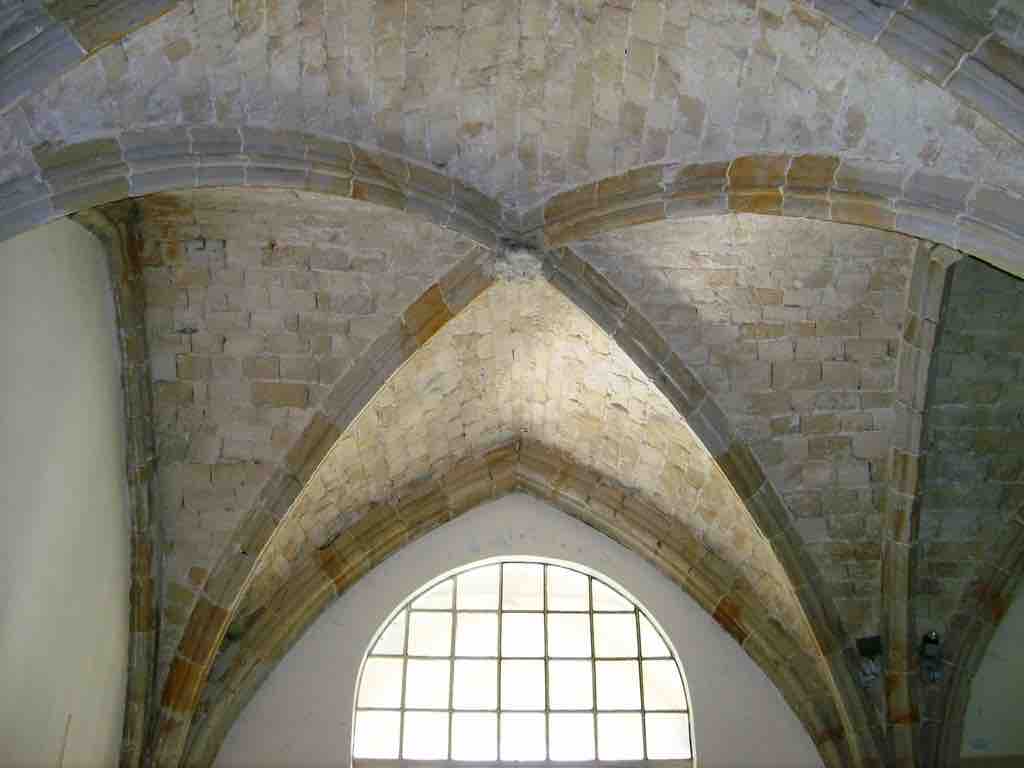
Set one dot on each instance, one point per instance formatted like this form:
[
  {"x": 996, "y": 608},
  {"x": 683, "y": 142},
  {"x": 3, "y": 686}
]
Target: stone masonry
[
  {"x": 256, "y": 304},
  {"x": 630, "y": 137},
  {"x": 522, "y": 361},
  {"x": 793, "y": 326},
  {"x": 519, "y": 100},
  {"x": 974, "y": 469}
]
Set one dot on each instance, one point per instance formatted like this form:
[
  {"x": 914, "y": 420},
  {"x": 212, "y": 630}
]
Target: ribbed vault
[
  {"x": 523, "y": 362},
  {"x": 521, "y": 102},
  {"x": 522, "y": 390},
  {"x": 274, "y": 316}
]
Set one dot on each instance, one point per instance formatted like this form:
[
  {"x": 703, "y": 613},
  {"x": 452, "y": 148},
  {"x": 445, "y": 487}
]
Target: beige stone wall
[
  {"x": 257, "y": 303},
  {"x": 303, "y": 716},
  {"x": 522, "y": 360},
  {"x": 973, "y": 466},
  {"x": 794, "y": 327}
]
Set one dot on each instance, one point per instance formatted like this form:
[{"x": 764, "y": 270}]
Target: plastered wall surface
[
  {"x": 64, "y": 560},
  {"x": 993, "y": 713},
  {"x": 302, "y": 715}
]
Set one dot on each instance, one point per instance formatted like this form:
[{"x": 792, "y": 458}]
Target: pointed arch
[
  {"x": 627, "y": 517},
  {"x": 853, "y": 735},
  {"x": 984, "y": 221}
]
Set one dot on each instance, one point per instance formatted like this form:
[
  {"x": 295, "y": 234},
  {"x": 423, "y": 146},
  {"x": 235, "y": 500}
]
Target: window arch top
[{"x": 521, "y": 661}]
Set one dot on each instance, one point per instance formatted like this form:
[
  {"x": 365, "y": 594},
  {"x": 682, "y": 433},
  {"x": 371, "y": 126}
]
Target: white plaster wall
[
  {"x": 302, "y": 716},
  {"x": 994, "y": 723},
  {"x": 64, "y": 560}
]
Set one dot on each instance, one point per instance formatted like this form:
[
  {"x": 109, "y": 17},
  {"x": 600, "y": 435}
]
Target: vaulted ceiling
[{"x": 722, "y": 278}]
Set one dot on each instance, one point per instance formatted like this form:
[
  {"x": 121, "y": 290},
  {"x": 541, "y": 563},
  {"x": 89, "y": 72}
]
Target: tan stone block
[
  {"x": 729, "y": 616},
  {"x": 812, "y": 172},
  {"x": 261, "y": 367},
  {"x": 571, "y": 204},
  {"x": 427, "y": 315},
  {"x": 181, "y": 688},
  {"x": 603, "y": 221},
  {"x": 316, "y": 441},
  {"x": 765, "y": 201},
  {"x": 758, "y": 172},
  {"x": 173, "y": 392},
  {"x": 865, "y": 210},
  {"x": 280, "y": 394}
]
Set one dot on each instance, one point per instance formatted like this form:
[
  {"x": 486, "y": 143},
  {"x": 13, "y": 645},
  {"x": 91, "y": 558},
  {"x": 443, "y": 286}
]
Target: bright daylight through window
[{"x": 521, "y": 661}]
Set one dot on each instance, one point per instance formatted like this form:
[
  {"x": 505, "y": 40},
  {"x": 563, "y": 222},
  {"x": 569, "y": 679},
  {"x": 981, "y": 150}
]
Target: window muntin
[{"x": 521, "y": 661}]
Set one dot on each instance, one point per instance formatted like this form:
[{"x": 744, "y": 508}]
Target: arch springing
[{"x": 521, "y": 661}]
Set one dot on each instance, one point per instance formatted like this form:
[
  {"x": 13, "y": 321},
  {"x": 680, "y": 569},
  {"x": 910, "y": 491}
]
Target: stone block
[
  {"x": 868, "y": 211},
  {"x": 83, "y": 175},
  {"x": 377, "y": 194},
  {"x": 921, "y": 48},
  {"x": 796, "y": 375},
  {"x": 476, "y": 203},
  {"x": 603, "y": 221},
  {"x": 98, "y": 24},
  {"x": 999, "y": 248},
  {"x": 927, "y": 223},
  {"x": 992, "y": 81},
  {"x": 867, "y": 178},
  {"x": 865, "y": 17},
  {"x": 808, "y": 205},
  {"x": 629, "y": 187},
  {"x": 571, "y": 204},
  {"x": 764, "y": 202},
  {"x": 36, "y": 62},
  {"x": 280, "y": 394},
  {"x": 315, "y": 443},
  {"x": 427, "y": 315},
  {"x": 181, "y": 687},
  {"x": 812, "y": 172},
  {"x": 937, "y": 191},
  {"x": 1000, "y": 208},
  {"x": 467, "y": 280},
  {"x": 742, "y": 468}
]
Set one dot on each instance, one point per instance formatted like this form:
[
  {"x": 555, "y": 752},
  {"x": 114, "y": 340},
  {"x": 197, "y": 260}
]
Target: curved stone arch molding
[
  {"x": 926, "y": 299},
  {"x": 959, "y": 52},
  {"x": 962, "y": 55},
  {"x": 965, "y": 215},
  {"x": 599, "y": 300},
  {"x": 518, "y": 466},
  {"x": 131, "y": 164},
  {"x": 971, "y": 629}
]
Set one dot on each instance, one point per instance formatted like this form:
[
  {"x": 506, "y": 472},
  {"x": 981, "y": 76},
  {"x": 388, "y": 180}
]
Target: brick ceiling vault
[
  {"x": 572, "y": 122},
  {"x": 909, "y": 352},
  {"x": 972, "y": 51},
  {"x": 695, "y": 500}
]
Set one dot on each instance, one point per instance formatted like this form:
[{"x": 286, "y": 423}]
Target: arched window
[{"x": 521, "y": 661}]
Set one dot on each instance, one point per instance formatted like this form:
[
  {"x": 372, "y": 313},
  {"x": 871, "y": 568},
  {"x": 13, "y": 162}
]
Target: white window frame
[{"x": 592, "y": 578}]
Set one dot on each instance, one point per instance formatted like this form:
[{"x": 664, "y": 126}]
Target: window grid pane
[{"x": 621, "y": 643}]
